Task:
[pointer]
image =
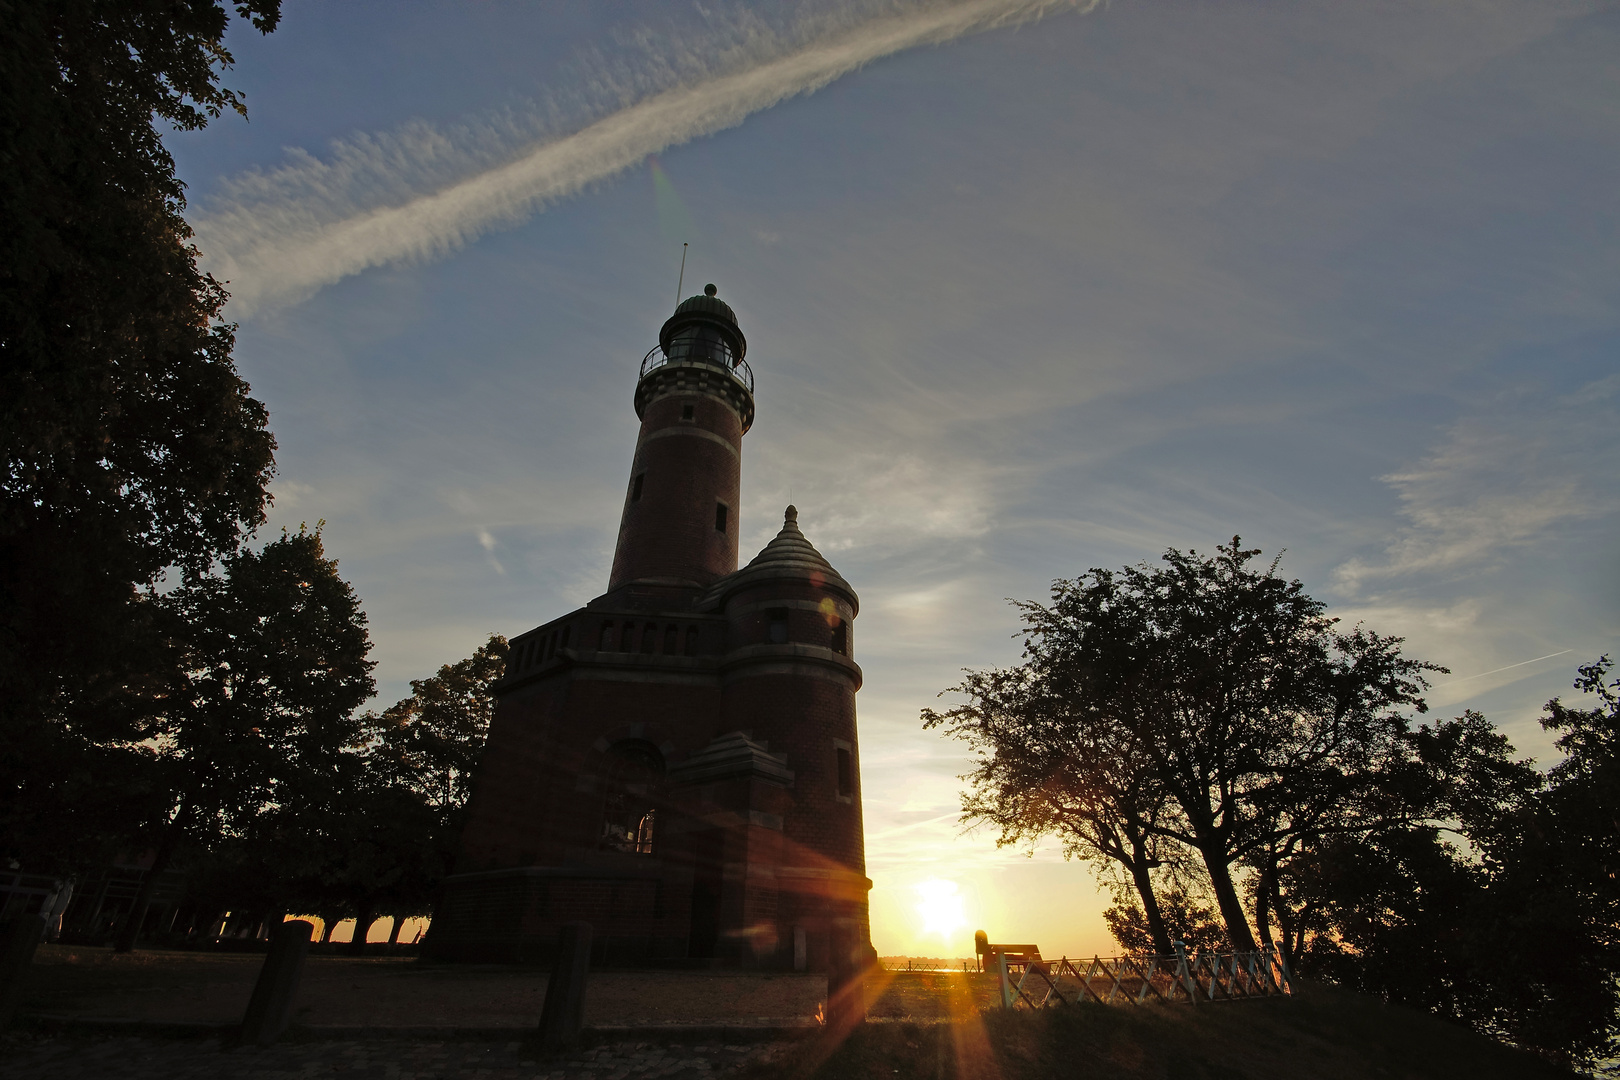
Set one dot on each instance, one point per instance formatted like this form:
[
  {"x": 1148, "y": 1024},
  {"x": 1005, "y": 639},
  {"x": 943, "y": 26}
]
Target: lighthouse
[{"x": 676, "y": 762}]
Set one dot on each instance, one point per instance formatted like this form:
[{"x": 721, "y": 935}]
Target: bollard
[
  {"x": 846, "y": 969},
  {"x": 18, "y": 940},
  {"x": 269, "y": 1011},
  {"x": 562, "y": 1017}
]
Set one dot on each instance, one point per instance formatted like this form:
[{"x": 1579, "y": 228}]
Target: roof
[
  {"x": 789, "y": 557},
  {"x": 707, "y": 305},
  {"x": 707, "y": 308}
]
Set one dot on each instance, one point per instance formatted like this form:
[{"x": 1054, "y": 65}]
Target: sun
[{"x": 939, "y": 907}]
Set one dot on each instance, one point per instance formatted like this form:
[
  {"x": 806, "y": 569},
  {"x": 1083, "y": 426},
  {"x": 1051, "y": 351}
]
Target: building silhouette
[{"x": 676, "y": 762}]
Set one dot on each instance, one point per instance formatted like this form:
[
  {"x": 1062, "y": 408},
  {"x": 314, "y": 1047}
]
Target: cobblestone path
[{"x": 131, "y": 1058}]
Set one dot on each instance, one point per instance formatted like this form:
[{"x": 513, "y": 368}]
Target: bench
[{"x": 1019, "y": 957}]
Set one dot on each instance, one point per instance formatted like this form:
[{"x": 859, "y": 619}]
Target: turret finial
[
  {"x": 791, "y": 517},
  {"x": 710, "y": 290}
]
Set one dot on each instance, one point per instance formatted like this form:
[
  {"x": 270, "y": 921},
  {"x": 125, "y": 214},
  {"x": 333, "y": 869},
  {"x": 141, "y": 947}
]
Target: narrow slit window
[
  {"x": 688, "y": 411},
  {"x": 670, "y": 639},
  {"x": 846, "y": 773},
  {"x": 649, "y": 638},
  {"x": 720, "y": 517},
  {"x": 777, "y": 625},
  {"x": 627, "y": 639},
  {"x": 691, "y": 641},
  {"x": 840, "y": 637},
  {"x": 563, "y": 643},
  {"x": 605, "y": 642},
  {"x": 635, "y": 487}
]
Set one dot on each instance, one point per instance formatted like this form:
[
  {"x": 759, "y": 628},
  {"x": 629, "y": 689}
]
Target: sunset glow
[{"x": 940, "y": 909}]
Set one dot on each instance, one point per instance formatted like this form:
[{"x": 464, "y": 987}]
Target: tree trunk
[
  {"x": 131, "y": 929},
  {"x": 1150, "y": 902},
  {"x": 1232, "y": 913},
  {"x": 1263, "y": 898},
  {"x": 393, "y": 931},
  {"x": 363, "y": 918},
  {"x": 328, "y": 924}
]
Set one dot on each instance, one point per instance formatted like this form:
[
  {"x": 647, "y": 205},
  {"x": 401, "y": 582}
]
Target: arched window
[
  {"x": 627, "y": 637},
  {"x": 840, "y": 637},
  {"x": 691, "y": 641},
  {"x": 563, "y": 644},
  {"x": 669, "y": 640},
  {"x": 606, "y": 641},
  {"x": 635, "y": 774},
  {"x": 776, "y": 625},
  {"x": 649, "y": 637}
]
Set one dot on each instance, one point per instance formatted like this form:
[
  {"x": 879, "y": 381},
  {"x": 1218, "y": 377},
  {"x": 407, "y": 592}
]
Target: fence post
[
  {"x": 1281, "y": 962},
  {"x": 270, "y": 1009},
  {"x": 1006, "y": 988},
  {"x": 1187, "y": 982},
  {"x": 562, "y": 1017},
  {"x": 18, "y": 940}
]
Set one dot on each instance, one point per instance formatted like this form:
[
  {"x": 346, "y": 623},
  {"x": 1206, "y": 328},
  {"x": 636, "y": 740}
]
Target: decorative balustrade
[{"x": 710, "y": 354}]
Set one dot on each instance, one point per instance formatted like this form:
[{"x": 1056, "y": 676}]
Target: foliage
[
  {"x": 1188, "y": 918},
  {"x": 433, "y": 739},
  {"x": 267, "y": 667},
  {"x": 1205, "y": 708},
  {"x": 380, "y": 841},
  {"x": 1224, "y": 710},
  {"x": 129, "y": 442}
]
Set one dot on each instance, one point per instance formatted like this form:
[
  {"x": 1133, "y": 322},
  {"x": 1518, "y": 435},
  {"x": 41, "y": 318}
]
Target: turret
[{"x": 695, "y": 398}]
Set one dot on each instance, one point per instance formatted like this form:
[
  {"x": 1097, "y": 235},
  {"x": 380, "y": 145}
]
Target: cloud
[
  {"x": 1501, "y": 480},
  {"x": 281, "y": 236},
  {"x": 487, "y": 541}
]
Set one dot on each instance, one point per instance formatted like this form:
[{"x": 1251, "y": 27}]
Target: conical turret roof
[{"x": 789, "y": 557}]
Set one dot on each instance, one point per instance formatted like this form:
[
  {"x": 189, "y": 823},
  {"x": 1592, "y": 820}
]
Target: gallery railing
[
  {"x": 708, "y": 354},
  {"x": 1203, "y": 976}
]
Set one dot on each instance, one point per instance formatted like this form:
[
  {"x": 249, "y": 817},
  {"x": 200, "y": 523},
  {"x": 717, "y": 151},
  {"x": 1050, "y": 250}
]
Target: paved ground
[
  {"x": 125, "y": 1058},
  {"x": 165, "y": 986},
  {"x": 195, "y": 987}
]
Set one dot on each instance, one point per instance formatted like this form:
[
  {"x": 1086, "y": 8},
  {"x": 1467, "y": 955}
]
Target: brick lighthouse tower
[{"x": 676, "y": 762}]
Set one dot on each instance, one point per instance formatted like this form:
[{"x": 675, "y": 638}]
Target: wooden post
[
  {"x": 270, "y": 1009},
  {"x": 562, "y": 1017},
  {"x": 1188, "y": 983},
  {"x": 846, "y": 972},
  {"x": 1006, "y": 987},
  {"x": 18, "y": 940}
]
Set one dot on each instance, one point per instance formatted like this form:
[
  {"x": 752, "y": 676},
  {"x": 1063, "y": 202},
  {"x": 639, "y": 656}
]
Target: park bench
[{"x": 1019, "y": 957}]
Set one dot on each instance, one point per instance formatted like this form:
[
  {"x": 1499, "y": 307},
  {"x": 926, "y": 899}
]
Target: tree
[
  {"x": 1511, "y": 927},
  {"x": 1224, "y": 691},
  {"x": 1548, "y": 928},
  {"x": 383, "y": 840},
  {"x": 268, "y": 669},
  {"x": 130, "y": 444},
  {"x": 433, "y": 739},
  {"x": 1041, "y": 772}
]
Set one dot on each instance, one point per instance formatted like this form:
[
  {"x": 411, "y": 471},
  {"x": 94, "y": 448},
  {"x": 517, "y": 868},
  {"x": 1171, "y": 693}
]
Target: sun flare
[{"x": 940, "y": 908}]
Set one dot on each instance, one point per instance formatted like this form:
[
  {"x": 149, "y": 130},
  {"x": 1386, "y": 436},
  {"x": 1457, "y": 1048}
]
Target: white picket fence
[{"x": 1203, "y": 976}]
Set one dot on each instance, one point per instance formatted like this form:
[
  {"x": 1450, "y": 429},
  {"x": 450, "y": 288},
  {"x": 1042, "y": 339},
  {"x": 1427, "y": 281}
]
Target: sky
[{"x": 1029, "y": 288}]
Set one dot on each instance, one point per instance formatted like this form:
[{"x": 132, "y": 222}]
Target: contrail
[
  {"x": 274, "y": 254},
  {"x": 1510, "y": 667}
]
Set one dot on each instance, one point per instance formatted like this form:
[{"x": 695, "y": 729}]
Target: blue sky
[{"x": 1028, "y": 289}]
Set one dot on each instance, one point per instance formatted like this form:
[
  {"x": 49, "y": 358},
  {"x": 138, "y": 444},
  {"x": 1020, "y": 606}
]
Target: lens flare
[{"x": 673, "y": 220}]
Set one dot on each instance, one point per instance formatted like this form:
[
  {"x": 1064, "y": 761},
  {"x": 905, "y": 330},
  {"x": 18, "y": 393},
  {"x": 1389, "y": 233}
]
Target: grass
[{"x": 1319, "y": 1033}]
